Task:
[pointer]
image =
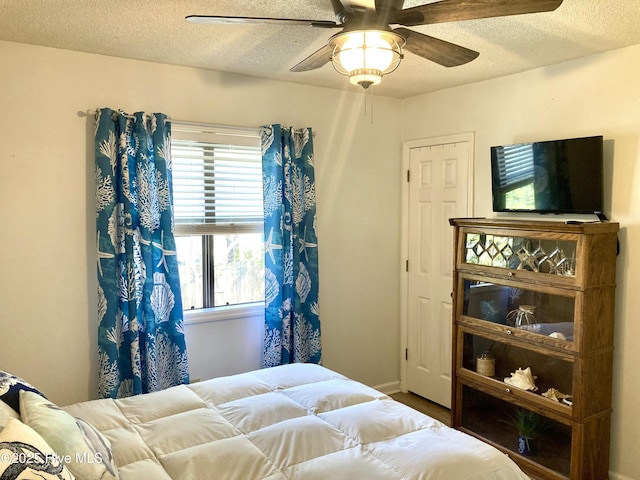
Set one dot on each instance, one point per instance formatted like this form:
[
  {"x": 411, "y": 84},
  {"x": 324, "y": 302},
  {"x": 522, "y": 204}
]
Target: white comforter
[{"x": 298, "y": 421}]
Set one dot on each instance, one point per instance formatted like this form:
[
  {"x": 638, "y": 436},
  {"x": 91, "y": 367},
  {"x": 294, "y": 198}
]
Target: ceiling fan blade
[
  {"x": 221, "y": 20},
  {"x": 445, "y": 53},
  {"x": 389, "y": 4},
  {"x": 316, "y": 60},
  {"x": 456, "y": 10},
  {"x": 388, "y": 9}
]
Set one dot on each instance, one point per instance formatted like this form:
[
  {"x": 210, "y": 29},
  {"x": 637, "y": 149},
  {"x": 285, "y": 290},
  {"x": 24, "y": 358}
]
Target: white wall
[
  {"x": 47, "y": 237},
  {"x": 47, "y": 232},
  {"x": 591, "y": 96},
  {"x": 228, "y": 345}
]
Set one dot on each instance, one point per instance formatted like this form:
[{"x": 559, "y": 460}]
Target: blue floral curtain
[
  {"x": 292, "y": 322},
  {"x": 141, "y": 346}
]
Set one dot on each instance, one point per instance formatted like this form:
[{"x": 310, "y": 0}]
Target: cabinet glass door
[
  {"x": 542, "y": 255},
  {"x": 548, "y": 441},
  {"x": 521, "y": 309},
  {"x": 520, "y": 368}
]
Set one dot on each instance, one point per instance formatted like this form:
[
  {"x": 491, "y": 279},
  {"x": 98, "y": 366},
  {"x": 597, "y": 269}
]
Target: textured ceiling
[{"x": 155, "y": 30}]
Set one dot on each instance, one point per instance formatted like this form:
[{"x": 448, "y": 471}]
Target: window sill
[{"x": 222, "y": 314}]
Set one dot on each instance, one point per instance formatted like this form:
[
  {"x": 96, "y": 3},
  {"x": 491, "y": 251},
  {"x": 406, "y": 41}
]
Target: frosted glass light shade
[
  {"x": 365, "y": 50},
  {"x": 366, "y": 55}
]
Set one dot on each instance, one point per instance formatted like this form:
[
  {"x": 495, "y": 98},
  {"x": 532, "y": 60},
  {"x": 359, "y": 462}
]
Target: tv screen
[{"x": 557, "y": 176}]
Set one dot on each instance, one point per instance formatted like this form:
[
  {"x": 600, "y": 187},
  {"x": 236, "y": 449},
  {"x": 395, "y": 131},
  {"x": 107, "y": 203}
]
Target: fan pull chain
[
  {"x": 370, "y": 90},
  {"x": 371, "y": 102},
  {"x": 364, "y": 94}
]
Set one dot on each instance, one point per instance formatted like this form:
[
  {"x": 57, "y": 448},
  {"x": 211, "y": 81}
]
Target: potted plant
[{"x": 529, "y": 424}]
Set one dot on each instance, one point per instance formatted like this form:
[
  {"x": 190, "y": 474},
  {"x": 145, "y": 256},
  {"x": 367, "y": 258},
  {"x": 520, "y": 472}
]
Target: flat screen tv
[{"x": 557, "y": 176}]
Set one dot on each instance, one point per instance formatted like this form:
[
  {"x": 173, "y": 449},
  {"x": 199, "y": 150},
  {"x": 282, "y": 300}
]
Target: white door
[{"x": 438, "y": 189}]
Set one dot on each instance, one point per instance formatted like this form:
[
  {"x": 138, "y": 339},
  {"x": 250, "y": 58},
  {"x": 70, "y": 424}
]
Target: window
[{"x": 217, "y": 191}]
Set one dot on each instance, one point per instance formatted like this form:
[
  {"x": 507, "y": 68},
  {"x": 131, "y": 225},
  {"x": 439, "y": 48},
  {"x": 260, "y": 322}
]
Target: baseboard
[
  {"x": 391, "y": 388},
  {"x": 617, "y": 476}
]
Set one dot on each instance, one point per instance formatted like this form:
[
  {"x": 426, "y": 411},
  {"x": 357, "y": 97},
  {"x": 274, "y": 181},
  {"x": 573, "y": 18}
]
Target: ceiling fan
[{"x": 368, "y": 47}]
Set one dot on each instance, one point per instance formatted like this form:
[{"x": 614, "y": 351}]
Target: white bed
[{"x": 299, "y": 421}]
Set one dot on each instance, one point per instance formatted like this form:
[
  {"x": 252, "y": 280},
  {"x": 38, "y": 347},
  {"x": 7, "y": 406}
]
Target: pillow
[
  {"x": 5, "y": 413},
  {"x": 10, "y": 387},
  {"x": 88, "y": 451},
  {"x": 24, "y": 454}
]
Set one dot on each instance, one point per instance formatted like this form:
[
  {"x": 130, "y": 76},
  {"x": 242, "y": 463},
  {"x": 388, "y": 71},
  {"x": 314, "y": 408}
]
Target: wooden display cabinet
[{"x": 564, "y": 276}]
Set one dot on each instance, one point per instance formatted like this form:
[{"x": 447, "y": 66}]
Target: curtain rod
[
  {"x": 249, "y": 130},
  {"x": 254, "y": 130}
]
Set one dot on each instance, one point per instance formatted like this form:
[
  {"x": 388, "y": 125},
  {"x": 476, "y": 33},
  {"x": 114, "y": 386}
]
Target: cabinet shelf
[
  {"x": 520, "y": 306},
  {"x": 524, "y": 398}
]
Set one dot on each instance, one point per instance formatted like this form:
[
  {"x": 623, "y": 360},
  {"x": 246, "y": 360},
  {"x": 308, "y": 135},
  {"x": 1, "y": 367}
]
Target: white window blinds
[
  {"x": 217, "y": 180},
  {"x": 515, "y": 164}
]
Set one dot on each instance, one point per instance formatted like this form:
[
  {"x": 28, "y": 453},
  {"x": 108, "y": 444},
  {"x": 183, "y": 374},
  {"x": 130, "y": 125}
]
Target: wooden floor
[{"x": 425, "y": 406}]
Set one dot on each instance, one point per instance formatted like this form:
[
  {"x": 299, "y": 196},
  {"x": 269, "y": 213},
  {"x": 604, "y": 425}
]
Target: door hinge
[
  {"x": 406, "y": 266},
  {"x": 408, "y": 175},
  {"x": 406, "y": 354}
]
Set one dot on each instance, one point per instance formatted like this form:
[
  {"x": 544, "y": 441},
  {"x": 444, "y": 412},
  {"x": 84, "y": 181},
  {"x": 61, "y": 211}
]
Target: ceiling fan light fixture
[{"x": 366, "y": 55}]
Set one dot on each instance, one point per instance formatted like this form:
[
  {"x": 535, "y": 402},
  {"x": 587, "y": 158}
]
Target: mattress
[{"x": 299, "y": 421}]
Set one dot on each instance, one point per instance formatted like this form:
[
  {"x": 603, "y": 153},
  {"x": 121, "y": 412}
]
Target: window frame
[
  {"x": 223, "y": 313},
  {"x": 217, "y": 134}
]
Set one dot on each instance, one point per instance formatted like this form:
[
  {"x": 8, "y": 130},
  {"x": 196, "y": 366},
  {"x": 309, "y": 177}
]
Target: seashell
[
  {"x": 272, "y": 287},
  {"x": 522, "y": 379},
  {"x": 162, "y": 299},
  {"x": 558, "y": 335},
  {"x": 551, "y": 394},
  {"x": 554, "y": 394},
  {"x": 267, "y": 135},
  {"x": 303, "y": 283},
  {"x": 300, "y": 139}
]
